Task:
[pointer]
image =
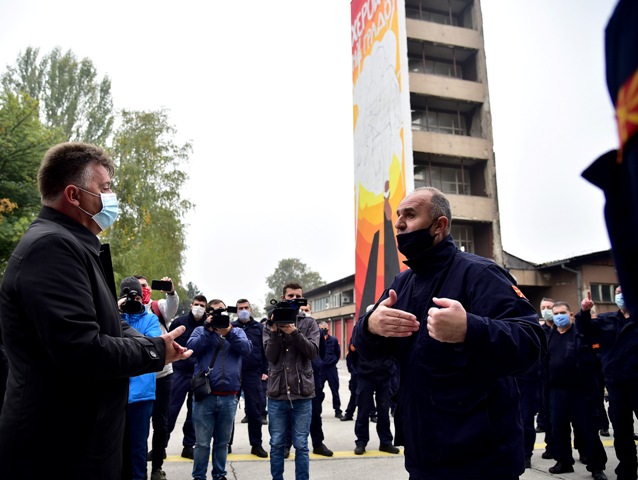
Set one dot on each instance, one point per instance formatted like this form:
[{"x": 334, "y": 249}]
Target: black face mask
[{"x": 413, "y": 243}]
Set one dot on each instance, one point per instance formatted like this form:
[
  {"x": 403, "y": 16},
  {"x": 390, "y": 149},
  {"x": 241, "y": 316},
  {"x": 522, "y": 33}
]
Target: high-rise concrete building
[
  {"x": 451, "y": 121},
  {"x": 447, "y": 142},
  {"x": 421, "y": 117}
]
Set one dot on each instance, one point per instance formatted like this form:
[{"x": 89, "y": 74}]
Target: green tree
[
  {"x": 149, "y": 235},
  {"x": 71, "y": 96},
  {"x": 23, "y": 142},
  {"x": 258, "y": 314},
  {"x": 291, "y": 270}
]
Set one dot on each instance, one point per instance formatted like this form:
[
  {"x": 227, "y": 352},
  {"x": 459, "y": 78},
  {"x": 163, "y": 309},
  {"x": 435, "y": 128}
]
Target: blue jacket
[
  {"x": 255, "y": 362},
  {"x": 618, "y": 339},
  {"x": 142, "y": 387},
  {"x": 226, "y": 373},
  {"x": 458, "y": 405}
]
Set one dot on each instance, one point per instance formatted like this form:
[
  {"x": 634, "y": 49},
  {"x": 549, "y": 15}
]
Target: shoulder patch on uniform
[
  {"x": 352, "y": 349},
  {"x": 518, "y": 292}
]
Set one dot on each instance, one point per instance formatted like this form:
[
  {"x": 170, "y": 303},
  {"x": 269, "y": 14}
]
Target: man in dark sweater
[{"x": 572, "y": 388}]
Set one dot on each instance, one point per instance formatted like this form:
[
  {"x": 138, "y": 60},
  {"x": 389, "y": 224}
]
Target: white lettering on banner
[{"x": 364, "y": 16}]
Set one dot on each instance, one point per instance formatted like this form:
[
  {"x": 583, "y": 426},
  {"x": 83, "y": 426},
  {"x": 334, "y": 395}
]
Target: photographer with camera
[
  {"x": 182, "y": 374},
  {"x": 141, "y": 393},
  {"x": 218, "y": 349},
  {"x": 290, "y": 344}
]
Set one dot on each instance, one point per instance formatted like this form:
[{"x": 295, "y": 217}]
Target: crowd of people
[{"x": 452, "y": 347}]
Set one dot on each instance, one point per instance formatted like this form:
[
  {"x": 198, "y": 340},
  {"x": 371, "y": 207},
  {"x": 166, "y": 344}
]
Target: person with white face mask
[
  {"x": 617, "y": 336},
  {"x": 182, "y": 375},
  {"x": 254, "y": 369}
]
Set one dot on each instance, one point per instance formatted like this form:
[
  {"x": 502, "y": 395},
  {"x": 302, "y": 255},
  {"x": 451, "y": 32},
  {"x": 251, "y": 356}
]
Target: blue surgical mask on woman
[
  {"x": 620, "y": 301},
  {"x": 110, "y": 209},
  {"x": 561, "y": 319}
]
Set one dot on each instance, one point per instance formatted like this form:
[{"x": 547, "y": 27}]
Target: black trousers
[
  {"x": 331, "y": 375},
  {"x": 529, "y": 389},
  {"x": 367, "y": 392},
  {"x": 316, "y": 425},
  {"x": 623, "y": 403},
  {"x": 578, "y": 408},
  {"x": 159, "y": 418}
]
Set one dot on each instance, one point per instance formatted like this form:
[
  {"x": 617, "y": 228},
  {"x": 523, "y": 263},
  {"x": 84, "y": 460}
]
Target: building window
[
  {"x": 455, "y": 180},
  {"x": 603, "y": 292},
  {"x": 320, "y": 304},
  {"x": 435, "y": 67},
  {"x": 439, "y": 122},
  {"x": 419, "y": 13},
  {"x": 463, "y": 237}
]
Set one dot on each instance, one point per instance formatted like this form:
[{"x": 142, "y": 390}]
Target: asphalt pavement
[{"x": 344, "y": 464}]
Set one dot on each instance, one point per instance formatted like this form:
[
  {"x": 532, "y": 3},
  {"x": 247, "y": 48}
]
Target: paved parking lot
[{"x": 373, "y": 465}]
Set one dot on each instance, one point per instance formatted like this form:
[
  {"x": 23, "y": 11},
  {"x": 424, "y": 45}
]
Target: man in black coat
[{"x": 70, "y": 354}]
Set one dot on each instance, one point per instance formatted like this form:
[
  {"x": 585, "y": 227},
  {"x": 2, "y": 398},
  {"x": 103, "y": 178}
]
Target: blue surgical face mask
[
  {"x": 243, "y": 315},
  {"x": 107, "y": 216},
  {"x": 547, "y": 314},
  {"x": 561, "y": 319},
  {"x": 620, "y": 301}
]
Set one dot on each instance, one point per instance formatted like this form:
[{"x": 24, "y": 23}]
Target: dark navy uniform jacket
[
  {"x": 256, "y": 362},
  {"x": 458, "y": 403},
  {"x": 333, "y": 352},
  {"x": 618, "y": 339},
  {"x": 186, "y": 367}
]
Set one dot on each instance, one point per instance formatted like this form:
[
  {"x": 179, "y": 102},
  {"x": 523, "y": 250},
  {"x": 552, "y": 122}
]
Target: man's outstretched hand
[
  {"x": 174, "y": 351},
  {"x": 391, "y": 322}
]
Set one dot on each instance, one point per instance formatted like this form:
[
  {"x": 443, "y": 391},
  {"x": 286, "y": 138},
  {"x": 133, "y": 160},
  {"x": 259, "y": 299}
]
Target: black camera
[
  {"x": 131, "y": 305},
  {"x": 286, "y": 311},
  {"x": 218, "y": 318}
]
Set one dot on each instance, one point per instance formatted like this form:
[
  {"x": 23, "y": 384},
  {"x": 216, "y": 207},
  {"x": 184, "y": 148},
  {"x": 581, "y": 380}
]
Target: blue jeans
[
  {"x": 139, "y": 425},
  {"x": 213, "y": 418},
  {"x": 297, "y": 414}
]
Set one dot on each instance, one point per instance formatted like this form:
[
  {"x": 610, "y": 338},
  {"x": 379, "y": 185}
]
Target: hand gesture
[
  {"x": 448, "y": 323},
  {"x": 224, "y": 331},
  {"x": 587, "y": 304},
  {"x": 287, "y": 328},
  {"x": 168, "y": 279},
  {"x": 174, "y": 351},
  {"x": 391, "y": 322}
]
